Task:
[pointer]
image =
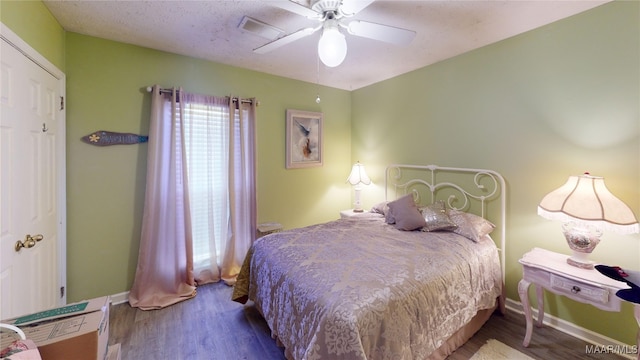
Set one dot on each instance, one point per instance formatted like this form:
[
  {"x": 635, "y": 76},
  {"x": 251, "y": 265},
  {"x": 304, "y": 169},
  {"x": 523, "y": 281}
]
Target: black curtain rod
[{"x": 169, "y": 91}]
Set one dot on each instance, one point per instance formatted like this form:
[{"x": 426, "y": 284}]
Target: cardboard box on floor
[{"x": 74, "y": 331}]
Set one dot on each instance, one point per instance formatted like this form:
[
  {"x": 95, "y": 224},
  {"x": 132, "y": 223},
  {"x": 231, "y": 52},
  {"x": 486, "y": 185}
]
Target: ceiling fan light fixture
[{"x": 332, "y": 47}]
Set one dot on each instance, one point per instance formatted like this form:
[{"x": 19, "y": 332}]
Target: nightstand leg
[
  {"x": 540, "y": 296},
  {"x": 523, "y": 291}
]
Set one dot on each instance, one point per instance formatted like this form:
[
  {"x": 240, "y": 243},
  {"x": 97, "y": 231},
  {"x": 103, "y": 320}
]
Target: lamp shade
[
  {"x": 585, "y": 199},
  {"x": 358, "y": 175},
  {"x": 332, "y": 47}
]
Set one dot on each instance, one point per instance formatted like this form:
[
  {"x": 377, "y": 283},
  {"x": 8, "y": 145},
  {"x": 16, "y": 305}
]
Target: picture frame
[{"x": 304, "y": 145}]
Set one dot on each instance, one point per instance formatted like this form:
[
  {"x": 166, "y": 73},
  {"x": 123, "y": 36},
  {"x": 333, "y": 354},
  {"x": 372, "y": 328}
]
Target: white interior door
[{"x": 32, "y": 181}]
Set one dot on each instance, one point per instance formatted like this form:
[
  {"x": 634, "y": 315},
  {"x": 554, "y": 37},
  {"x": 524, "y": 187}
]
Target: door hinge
[
  {"x": 61, "y": 291},
  {"x": 61, "y": 102}
]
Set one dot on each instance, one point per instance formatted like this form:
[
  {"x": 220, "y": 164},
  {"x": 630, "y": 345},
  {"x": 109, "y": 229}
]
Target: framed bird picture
[{"x": 304, "y": 139}]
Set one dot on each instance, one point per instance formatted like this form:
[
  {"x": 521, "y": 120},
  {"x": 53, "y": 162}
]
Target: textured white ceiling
[{"x": 209, "y": 30}]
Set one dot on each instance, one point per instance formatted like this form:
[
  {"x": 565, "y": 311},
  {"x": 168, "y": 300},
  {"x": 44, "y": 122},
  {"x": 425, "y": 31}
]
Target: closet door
[{"x": 32, "y": 169}]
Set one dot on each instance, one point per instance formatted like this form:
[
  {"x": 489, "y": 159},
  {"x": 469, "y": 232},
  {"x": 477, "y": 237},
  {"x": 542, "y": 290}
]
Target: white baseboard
[
  {"x": 573, "y": 329},
  {"x": 120, "y": 298}
]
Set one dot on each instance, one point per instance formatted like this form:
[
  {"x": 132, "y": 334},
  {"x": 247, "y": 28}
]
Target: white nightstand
[
  {"x": 267, "y": 228},
  {"x": 549, "y": 271},
  {"x": 344, "y": 214}
]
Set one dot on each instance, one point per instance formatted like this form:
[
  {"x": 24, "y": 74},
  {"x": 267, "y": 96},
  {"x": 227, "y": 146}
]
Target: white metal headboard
[{"x": 461, "y": 186}]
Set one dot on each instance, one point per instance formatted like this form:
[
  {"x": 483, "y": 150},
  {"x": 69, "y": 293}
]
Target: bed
[{"x": 375, "y": 286}]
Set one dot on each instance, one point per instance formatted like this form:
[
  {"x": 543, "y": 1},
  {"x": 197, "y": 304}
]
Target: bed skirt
[{"x": 465, "y": 333}]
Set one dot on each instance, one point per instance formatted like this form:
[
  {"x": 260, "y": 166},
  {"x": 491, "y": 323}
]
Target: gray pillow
[
  {"x": 380, "y": 208},
  {"x": 406, "y": 213}
]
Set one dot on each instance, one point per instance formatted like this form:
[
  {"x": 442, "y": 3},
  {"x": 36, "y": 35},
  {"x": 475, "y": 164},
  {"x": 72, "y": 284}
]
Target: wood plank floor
[{"x": 211, "y": 326}]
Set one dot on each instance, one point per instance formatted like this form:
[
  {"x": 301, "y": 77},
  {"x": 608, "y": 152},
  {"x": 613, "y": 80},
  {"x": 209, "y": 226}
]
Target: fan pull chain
[{"x": 318, "y": 78}]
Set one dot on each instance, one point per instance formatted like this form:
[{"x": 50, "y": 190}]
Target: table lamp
[
  {"x": 587, "y": 207},
  {"x": 357, "y": 178}
]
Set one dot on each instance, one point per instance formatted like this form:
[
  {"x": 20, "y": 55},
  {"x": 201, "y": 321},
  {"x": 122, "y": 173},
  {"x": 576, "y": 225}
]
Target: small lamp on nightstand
[
  {"x": 586, "y": 207},
  {"x": 357, "y": 178}
]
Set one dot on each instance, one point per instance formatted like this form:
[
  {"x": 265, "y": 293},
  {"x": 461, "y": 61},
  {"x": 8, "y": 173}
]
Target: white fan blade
[
  {"x": 386, "y": 33},
  {"x": 352, "y": 7},
  {"x": 296, "y": 8},
  {"x": 285, "y": 40}
]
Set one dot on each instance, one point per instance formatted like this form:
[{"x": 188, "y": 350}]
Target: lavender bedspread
[{"x": 360, "y": 289}]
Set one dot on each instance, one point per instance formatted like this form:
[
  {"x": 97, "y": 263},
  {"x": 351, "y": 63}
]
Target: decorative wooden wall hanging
[{"x": 106, "y": 138}]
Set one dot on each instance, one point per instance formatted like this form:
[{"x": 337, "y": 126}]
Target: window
[
  {"x": 218, "y": 170},
  {"x": 206, "y": 142}
]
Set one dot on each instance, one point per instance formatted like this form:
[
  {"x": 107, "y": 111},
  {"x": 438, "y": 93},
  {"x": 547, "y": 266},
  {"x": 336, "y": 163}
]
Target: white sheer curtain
[
  {"x": 200, "y": 206},
  {"x": 242, "y": 187}
]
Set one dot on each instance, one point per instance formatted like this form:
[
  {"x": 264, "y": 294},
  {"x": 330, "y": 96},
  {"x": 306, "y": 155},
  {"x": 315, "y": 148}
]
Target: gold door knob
[{"x": 29, "y": 242}]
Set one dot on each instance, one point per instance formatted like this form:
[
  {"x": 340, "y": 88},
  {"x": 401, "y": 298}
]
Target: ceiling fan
[{"x": 332, "y": 47}]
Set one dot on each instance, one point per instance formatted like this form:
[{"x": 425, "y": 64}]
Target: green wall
[
  {"x": 539, "y": 107},
  {"x": 33, "y": 22},
  {"x": 107, "y": 91},
  {"x": 550, "y": 103}
]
